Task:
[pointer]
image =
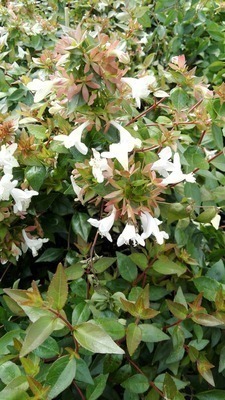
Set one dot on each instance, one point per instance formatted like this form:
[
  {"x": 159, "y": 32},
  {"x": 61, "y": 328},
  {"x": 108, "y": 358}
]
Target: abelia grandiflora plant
[{"x": 128, "y": 173}]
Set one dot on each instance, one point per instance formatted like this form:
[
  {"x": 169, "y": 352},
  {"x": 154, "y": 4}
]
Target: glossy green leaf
[
  {"x": 93, "y": 338},
  {"x": 81, "y": 313},
  {"x": 208, "y": 286},
  {"x": 60, "y": 375},
  {"x": 80, "y": 225},
  {"x": 51, "y": 254},
  {"x": 58, "y": 289},
  {"x": 37, "y": 333},
  {"x": 167, "y": 267},
  {"x": 126, "y": 267},
  {"x": 9, "y": 371},
  {"x": 48, "y": 349},
  {"x": 35, "y": 176}
]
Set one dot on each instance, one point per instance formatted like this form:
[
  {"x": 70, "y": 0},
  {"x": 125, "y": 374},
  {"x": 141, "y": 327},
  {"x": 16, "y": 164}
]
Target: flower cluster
[{"x": 19, "y": 198}]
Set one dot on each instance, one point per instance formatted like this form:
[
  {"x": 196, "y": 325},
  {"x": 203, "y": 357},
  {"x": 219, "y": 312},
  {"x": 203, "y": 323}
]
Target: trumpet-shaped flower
[
  {"x": 6, "y": 186},
  {"x": 42, "y": 89},
  {"x": 33, "y": 244},
  {"x": 7, "y": 160},
  {"x": 139, "y": 87},
  {"x": 150, "y": 226},
  {"x": 120, "y": 150},
  {"x": 105, "y": 224},
  {"x": 22, "y": 199},
  {"x": 177, "y": 175},
  {"x": 74, "y": 139},
  {"x": 77, "y": 189},
  {"x": 99, "y": 165},
  {"x": 163, "y": 165},
  {"x": 129, "y": 234}
]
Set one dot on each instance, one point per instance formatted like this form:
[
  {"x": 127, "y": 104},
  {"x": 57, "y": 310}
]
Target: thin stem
[
  {"x": 145, "y": 112},
  {"x": 201, "y": 137},
  {"x": 142, "y": 373},
  {"x": 79, "y": 391},
  {"x": 6, "y": 270}
]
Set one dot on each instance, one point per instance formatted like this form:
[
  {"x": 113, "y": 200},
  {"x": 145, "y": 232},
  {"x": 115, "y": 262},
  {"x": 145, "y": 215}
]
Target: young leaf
[
  {"x": 37, "y": 333},
  {"x": 95, "y": 339},
  {"x": 133, "y": 337},
  {"x": 177, "y": 309},
  {"x": 58, "y": 289}
]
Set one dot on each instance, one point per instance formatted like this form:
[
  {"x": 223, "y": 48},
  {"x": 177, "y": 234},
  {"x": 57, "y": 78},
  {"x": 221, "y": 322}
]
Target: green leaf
[
  {"x": 103, "y": 263},
  {"x": 48, "y": 349},
  {"x": 60, "y": 375},
  {"x": 80, "y": 226},
  {"x": 151, "y": 334},
  {"x": 75, "y": 271},
  {"x": 169, "y": 387},
  {"x": 178, "y": 346},
  {"x": 177, "y": 309},
  {"x": 195, "y": 158},
  {"x": 219, "y": 162},
  {"x": 136, "y": 383},
  {"x": 83, "y": 373},
  {"x": 58, "y": 289},
  {"x": 208, "y": 286},
  {"x": 179, "y": 98},
  {"x": 133, "y": 337},
  {"x": 39, "y": 131},
  {"x": 167, "y": 267},
  {"x": 95, "y": 391},
  {"x": 51, "y": 254},
  {"x": 222, "y": 360},
  {"x": 81, "y": 313},
  {"x": 95, "y": 339},
  {"x": 140, "y": 260},
  {"x": 8, "y": 372},
  {"x": 207, "y": 215},
  {"x": 35, "y": 176},
  {"x": 37, "y": 333},
  {"x": 217, "y": 135},
  {"x": 14, "y": 394},
  {"x": 126, "y": 266},
  {"x": 7, "y": 340},
  {"x": 112, "y": 327},
  {"x": 211, "y": 395}
]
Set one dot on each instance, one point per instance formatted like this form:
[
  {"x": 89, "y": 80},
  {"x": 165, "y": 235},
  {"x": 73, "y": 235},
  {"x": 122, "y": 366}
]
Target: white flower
[
  {"x": 99, "y": 165},
  {"x": 120, "y": 150},
  {"x": 22, "y": 199},
  {"x": 33, "y": 244},
  {"x": 163, "y": 165},
  {"x": 139, "y": 87},
  {"x": 105, "y": 224},
  {"x": 77, "y": 189},
  {"x": 129, "y": 233},
  {"x": 74, "y": 139},
  {"x": 42, "y": 88},
  {"x": 177, "y": 175},
  {"x": 6, "y": 186},
  {"x": 150, "y": 227},
  {"x": 7, "y": 161}
]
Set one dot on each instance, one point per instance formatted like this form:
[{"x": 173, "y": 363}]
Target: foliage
[{"x": 112, "y": 117}]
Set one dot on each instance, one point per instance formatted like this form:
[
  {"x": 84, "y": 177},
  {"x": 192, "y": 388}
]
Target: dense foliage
[{"x": 112, "y": 202}]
